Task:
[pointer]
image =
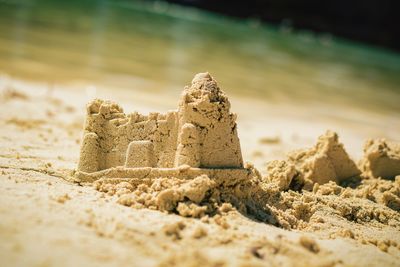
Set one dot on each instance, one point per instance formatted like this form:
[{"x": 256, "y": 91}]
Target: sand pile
[
  {"x": 189, "y": 198},
  {"x": 382, "y": 159},
  {"x": 326, "y": 161}
]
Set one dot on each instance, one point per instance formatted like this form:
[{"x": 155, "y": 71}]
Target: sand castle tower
[
  {"x": 208, "y": 133},
  {"x": 201, "y": 134}
]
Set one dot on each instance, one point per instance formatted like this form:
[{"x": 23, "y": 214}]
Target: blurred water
[{"x": 156, "y": 46}]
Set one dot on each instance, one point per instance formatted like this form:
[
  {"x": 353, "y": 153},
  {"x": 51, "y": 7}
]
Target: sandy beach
[{"x": 50, "y": 220}]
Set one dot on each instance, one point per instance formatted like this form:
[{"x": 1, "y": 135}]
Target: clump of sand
[
  {"x": 382, "y": 159},
  {"x": 281, "y": 172},
  {"x": 167, "y": 194},
  {"x": 326, "y": 161}
]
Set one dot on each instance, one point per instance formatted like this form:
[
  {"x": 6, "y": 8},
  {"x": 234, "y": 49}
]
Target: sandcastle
[{"x": 198, "y": 138}]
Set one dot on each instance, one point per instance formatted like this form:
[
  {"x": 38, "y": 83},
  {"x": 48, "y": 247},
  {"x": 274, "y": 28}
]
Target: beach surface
[{"x": 49, "y": 220}]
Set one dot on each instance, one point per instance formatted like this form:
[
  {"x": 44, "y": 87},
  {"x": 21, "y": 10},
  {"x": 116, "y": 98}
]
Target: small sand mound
[
  {"x": 381, "y": 159},
  {"x": 281, "y": 172},
  {"x": 326, "y": 161},
  {"x": 189, "y": 198}
]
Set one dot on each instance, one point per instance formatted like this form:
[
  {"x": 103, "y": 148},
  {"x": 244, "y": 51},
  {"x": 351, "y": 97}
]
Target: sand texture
[{"x": 157, "y": 195}]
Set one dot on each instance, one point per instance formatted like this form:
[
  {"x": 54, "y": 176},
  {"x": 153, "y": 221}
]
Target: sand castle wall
[{"x": 115, "y": 132}]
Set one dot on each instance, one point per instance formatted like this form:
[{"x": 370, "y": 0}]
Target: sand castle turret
[
  {"x": 202, "y": 133},
  {"x": 207, "y": 108}
]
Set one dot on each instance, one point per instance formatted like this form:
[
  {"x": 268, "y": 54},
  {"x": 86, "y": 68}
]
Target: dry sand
[{"x": 48, "y": 220}]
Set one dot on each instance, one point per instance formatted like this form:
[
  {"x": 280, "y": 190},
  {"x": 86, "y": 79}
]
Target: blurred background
[
  {"x": 285, "y": 64},
  {"x": 372, "y": 21}
]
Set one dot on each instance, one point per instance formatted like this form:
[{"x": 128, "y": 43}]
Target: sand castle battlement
[{"x": 202, "y": 133}]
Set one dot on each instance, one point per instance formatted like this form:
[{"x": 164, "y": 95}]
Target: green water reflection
[{"x": 136, "y": 43}]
